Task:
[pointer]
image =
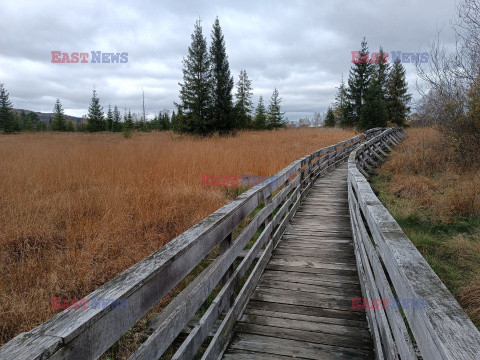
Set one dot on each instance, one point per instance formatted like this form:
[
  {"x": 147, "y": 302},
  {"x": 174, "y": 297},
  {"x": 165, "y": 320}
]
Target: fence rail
[
  {"x": 431, "y": 323},
  {"x": 87, "y": 334}
]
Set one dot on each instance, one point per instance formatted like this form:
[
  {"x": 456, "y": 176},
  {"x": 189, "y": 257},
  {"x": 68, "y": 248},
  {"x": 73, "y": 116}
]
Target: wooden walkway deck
[{"x": 301, "y": 307}]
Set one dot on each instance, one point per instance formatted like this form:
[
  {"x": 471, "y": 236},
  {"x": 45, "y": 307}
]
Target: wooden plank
[
  {"x": 313, "y": 279},
  {"x": 310, "y": 328},
  {"x": 285, "y": 285},
  {"x": 275, "y": 327},
  {"x": 234, "y": 354},
  {"x": 294, "y": 348},
  {"x": 360, "y": 325},
  {"x": 297, "y": 309},
  {"x": 306, "y": 299}
]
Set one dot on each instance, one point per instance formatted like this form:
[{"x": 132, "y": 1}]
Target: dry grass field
[
  {"x": 78, "y": 209},
  {"x": 437, "y": 203}
]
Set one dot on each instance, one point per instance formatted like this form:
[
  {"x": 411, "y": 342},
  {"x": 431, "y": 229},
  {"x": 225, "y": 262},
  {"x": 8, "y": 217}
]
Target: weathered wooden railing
[
  {"x": 88, "y": 333},
  {"x": 392, "y": 272}
]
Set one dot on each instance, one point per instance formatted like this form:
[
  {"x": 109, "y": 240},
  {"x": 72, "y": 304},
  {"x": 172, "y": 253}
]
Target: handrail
[
  {"x": 431, "y": 323},
  {"x": 87, "y": 334}
]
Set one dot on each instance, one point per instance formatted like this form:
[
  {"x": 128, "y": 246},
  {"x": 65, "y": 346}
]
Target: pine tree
[
  {"x": 260, "y": 121},
  {"x": 23, "y": 119},
  {"x": 222, "y": 104},
  {"x": 397, "y": 97},
  {"x": 128, "y": 124},
  {"x": 275, "y": 114},
  {"x": 243, "y": 106},
  {"x": 6, "y": 113},
  {"x": 382, "y": 69},
  {"x": 341, "y": 105},
  {"x": 109, "y": 122},
  {"x": 174, "y": 121},
  {"x": 164, "y": 121},
  {"x": 358, "y": 82},
  {"x": 374, "y": 111},
  {"x": 70, "y": 126},
  {"x": 58, "y": 121},
  {"x": 95, "y": 118},
  {"x": 116, "y": 126},
  {"x": 195, "y": 92},
  {"x": 32, "y": 122},
  {"x": 329, "y": 118}
]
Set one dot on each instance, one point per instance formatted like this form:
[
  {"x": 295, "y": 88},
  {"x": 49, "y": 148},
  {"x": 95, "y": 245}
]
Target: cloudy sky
[{"x": 300, "y": 47}]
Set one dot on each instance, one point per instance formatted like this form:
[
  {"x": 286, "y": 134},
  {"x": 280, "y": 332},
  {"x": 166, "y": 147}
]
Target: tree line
[
  {"x": 375, "y": 95},
  {"x": 206, "y": 103}
]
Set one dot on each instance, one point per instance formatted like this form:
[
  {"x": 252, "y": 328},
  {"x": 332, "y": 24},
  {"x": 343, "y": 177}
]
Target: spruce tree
[
  {"x": 222, "y": 104},
  {"x": 260, "y": 121},
  {"x": 95, "y": 118},
  {"x": 164, "y": 121},
  {"x": 382, "y": 69},
  {"x": 23, "y": 119},
  {"x": 117, "y": 126},
  {"x": 128, "y": 124},
  {"x": 341, "y": 106},
  {"x": 33, "y": 122},
  {"x": 374, "y": 111},
  {"x": 329, "y": 118},
  {"x": 195, "y": 92},
  {"x": 358, "y": 82},
  {"x": 275, "y": 114},
  {"x": 70, "y": 126},
  {"x": 6, "y": 113},
  {"x": 58, "y": 121},
  {"x": 397, "y": 97},
  {"x": 243, "y": 106},
  {"x": 109, "y": 122}
]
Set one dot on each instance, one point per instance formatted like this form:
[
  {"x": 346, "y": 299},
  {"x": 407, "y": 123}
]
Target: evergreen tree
[
  {"x": 382, "y": 69},
  {"x": 164, "y": 120},
  {"x": 397, "y": 97},
  {"x": 358, "y": 82},
  {"x": 195, "y": 92},
  {"x": 109, "y": 122},
  {"x": 128, "y": 122},
  {"x": 95, "y": 117},
  {"x": 243, "y": 107},
  {"x": 341, "y": 110},
  {"x": 6, "y": 113},
  {"x": 329, "y": 118},
  {"x": 29, "y": 126},
  {"x": 116, "y": 126},
  {"x": 23, "y": 119},
  {"x": 260, "y": 121},
  {"x": 222, "y": 104},
  {"x": 70, "y": 126},
  {"x": 374, "y": 111},
  {"x": 275, "y": 114},
  {"x": 58, "y": 121}
]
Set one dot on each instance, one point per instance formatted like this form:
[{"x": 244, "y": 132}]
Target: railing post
[{"x": 224, "y": 245}]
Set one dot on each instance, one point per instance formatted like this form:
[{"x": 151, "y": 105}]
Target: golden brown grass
[
  {"x": 437, "y": 203},
  {"x": 424, "y": 169},
  {"x": 78, "y": 209}
]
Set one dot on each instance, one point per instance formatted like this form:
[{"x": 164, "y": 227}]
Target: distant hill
[{"x": 45, "y": 117}]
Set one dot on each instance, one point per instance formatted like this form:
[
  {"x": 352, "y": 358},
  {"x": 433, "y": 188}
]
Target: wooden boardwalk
[{"x": 301, "y": 307}]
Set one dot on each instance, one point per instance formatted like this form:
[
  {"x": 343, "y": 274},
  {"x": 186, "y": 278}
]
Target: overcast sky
[{"x": 300, "y": 47}]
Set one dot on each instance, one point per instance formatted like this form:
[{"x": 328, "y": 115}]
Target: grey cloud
[{"x": 300, "y": 47}]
